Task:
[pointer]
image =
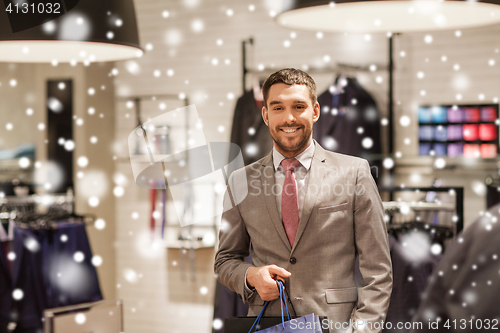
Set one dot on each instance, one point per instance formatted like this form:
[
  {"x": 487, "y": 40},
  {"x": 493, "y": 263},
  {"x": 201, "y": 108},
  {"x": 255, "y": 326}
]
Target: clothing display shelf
[
  {"x": 339, "y": 68},
  {"x": 188, "y": 238},
  {"x": 457, "y": 208},
  {"x": 469, "y": 130},
  {"x": 461, "y": 164},
  {"x": 101, "y": 316},
  {"x": 10, "y": 169},
  {"x": 418, "y": 206}
]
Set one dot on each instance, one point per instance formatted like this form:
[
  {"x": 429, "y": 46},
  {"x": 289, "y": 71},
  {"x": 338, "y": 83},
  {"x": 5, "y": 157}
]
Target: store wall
[
  {"x": 16, "y": 95},
  {"x": 195, "y": 49},
  {"x": 98, "y": 175},
  {"x": 30, "y": 92}
]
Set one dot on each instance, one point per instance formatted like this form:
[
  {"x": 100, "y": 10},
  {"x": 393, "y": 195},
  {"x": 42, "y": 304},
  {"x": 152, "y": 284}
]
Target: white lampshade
[
  {"x": 388, "y": 15},
  {"x": 64, "y": 51}
]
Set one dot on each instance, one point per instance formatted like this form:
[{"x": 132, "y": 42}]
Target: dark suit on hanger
[
  {"x": 409, "y": 282},
  {"x": 465, "y": 285},
  {"x": 66, "y": 281},
  {"x": 355, "y": 108},
  {"x": 26, "y": 275},
  {"x": 247, "y": 116}
]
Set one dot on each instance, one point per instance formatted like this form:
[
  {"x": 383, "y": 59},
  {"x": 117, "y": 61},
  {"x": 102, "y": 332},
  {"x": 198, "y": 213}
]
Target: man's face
[{"x": 290, "y": 116}]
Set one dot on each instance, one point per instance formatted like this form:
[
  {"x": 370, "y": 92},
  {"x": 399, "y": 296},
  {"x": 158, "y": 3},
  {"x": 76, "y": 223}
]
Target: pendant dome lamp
[
  {"x": 73, "y": 31},
  {"x": 394, "y": 16}
]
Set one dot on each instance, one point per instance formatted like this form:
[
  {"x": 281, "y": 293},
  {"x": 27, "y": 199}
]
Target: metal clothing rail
[
  {"x": 46, "y": 199},
  {"x": 459, "y": 199},
  {"x": 419, "y": 206},
  {"x": 39, "y": 211},
  {"x": 42, "y": 223},
  {"x": 66, "y": 201}
]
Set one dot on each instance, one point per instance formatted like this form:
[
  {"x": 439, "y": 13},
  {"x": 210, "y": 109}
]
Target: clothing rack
[
  {"x": 39, "y": 211},
  {"x": 340, "y": 68},
  {"x": 42, "y": 233},
  {"x": 39, "y": 203},
  {"x": 458, "y": 207}
]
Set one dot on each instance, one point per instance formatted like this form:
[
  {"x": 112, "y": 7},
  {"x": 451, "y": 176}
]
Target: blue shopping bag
[{"x": 304, "y": 324}]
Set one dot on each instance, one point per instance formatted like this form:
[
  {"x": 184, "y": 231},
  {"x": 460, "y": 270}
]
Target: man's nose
[{"x": 289, "y": 117}]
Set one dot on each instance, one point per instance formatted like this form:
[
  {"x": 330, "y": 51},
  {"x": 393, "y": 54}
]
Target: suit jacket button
[{"x": 293, "y": 261}]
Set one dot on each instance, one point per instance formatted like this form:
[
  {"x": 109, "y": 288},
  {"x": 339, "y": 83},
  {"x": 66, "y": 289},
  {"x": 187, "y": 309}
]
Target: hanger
[
  {"x": 342, "y": 80},
  {"x": 257, "y": 89}
]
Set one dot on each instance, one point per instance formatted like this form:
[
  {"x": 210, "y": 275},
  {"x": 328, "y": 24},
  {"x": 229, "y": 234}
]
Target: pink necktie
[{"x": 289, "y": 199}]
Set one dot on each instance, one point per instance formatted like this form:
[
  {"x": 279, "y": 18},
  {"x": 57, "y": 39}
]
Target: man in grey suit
[{"x": 306, "y": 214}]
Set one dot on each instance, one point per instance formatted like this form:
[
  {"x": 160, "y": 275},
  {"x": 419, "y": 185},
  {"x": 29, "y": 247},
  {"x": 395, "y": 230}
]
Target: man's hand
[{"x": 264, "y": 280}]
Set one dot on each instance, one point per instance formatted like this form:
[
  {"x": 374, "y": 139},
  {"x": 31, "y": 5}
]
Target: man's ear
[
  {"x": 316, "y": 112},
  {"x": 265, "y": 116}
]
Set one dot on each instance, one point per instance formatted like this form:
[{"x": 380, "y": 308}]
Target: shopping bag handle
[
  {"x": 290, "y": 301},
  {"x": 257, "y": 320},
  {"x": 281, "y": 288}
]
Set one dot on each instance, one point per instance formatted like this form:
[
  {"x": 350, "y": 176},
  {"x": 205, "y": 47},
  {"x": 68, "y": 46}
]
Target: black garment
[
  {"x": 492, "y": 193},
  {"x": 409, "y": 282},
  {"x": 26, "y": 275},
  {"x": 247, "y": 120},
  {"x": 465, "y": 285},
  {"x": 46, "y": 271},
  {"x": 227, "y": 303},
  {"x": 66, "y": 281},
  {"x": 342, "y": 113}
]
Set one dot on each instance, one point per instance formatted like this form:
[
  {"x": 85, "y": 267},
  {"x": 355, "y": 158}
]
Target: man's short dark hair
[{"x": 290, "y": 76}]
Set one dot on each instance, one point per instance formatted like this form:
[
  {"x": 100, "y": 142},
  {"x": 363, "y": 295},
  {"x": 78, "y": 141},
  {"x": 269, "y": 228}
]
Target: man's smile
[{"x": 290, "y": 130}]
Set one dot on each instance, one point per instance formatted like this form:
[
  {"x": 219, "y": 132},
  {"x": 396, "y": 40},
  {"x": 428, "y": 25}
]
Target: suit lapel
[
  {"x": 3, "y": 262},
  {"x": 316, "y": 175},
  {"x": 18, "y": 250},
  {"x": 3, "y": 259},
  {"x": 267, "y": 179}
]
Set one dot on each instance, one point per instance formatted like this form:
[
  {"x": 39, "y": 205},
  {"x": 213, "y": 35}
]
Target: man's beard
[{"x": 283, "y": 142}]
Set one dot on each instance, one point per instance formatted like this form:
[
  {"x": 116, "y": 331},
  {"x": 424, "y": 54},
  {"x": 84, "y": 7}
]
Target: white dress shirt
[{"x": 7, "y": 235}]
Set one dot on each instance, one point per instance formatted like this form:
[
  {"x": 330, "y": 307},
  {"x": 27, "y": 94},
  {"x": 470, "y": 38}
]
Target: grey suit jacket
[{"x": 342, "y": 217}]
